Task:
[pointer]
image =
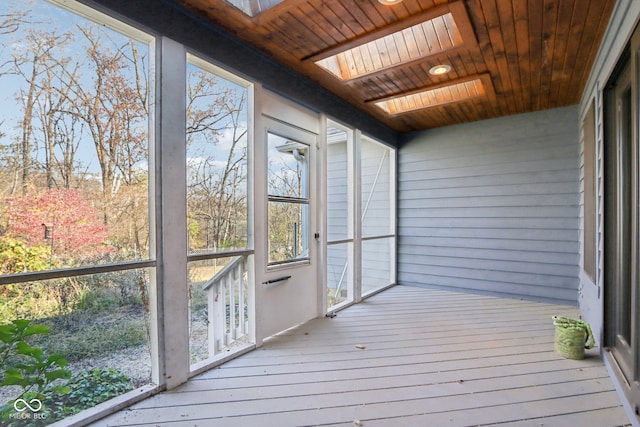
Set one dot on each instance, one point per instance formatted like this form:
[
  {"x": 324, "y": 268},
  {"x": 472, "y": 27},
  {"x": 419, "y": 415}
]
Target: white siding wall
[{"x": 493, "y": 207}]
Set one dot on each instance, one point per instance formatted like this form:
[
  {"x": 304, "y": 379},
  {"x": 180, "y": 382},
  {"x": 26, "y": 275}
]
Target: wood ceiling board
[
  {"x": 549, "y": 37},
  {"x": 332, "y": 12},
  {"x": 574, "y": 40},
  {"x": 597, "y": 19},
  {"x": 508, "y": 34},
  {"x": 496, "y": 42},
  {"x": 312, "y": 17},
  {"x": 521, "y": 28},
  {"x": 538, "y": 52}
]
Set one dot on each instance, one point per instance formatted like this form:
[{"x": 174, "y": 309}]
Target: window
[
  {"x": 217, "y": 210},
  {"x": 288, "y": 199},
  {"x": 75, "y": 235},
  {"x": 216, "y": 160}
]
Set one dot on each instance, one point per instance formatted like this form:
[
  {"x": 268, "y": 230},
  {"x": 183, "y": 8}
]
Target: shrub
[
  {"x": 89, "y": 388},
  {"x": 44, "y": 382},
  {"x": 41, "y": 378}
]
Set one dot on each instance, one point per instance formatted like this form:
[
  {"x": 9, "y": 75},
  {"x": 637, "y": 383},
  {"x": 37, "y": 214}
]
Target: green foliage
[
  {"x": 38, "y": 375},
  {"x": 73, "y": 299},
  {"x": 193, "y": 230},
  {"x": 45, "y": 382},
  {"x": 39, "y": 300},
  {"x": 90, "y": 388},
  {"x": 18, "y": 257},
  {"x": 26, "y": 366}
]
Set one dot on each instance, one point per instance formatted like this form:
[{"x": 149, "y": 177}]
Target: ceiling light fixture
[
  {"x": 438, "y": 70},
  {"x": 389, "y": 2}
]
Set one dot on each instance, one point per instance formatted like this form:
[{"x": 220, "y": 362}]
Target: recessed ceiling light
[
  {"x": 389, "y": 2},
  {"x": 439, "y": 70}
]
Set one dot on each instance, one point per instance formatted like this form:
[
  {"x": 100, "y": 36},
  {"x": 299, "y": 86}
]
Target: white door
[{"x": 286, "y": 227}]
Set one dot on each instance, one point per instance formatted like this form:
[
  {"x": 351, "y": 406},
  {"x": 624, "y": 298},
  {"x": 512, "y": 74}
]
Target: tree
[
  {"x": 111, "y": 107},
  {"x": 16, "y": 257},
  {"x": 70, "y": 102},
  {"x": 10, "y": 23},
  {"x": 61, "y": 219},
  {"x": 218, "y": 175},
  {"x": 39, "y": 61}
]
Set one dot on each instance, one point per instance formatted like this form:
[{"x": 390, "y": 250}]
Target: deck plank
[{"x": 408, "y": 356}]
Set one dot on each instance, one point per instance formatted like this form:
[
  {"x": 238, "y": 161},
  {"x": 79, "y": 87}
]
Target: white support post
[{"x": 171, "y": 311}]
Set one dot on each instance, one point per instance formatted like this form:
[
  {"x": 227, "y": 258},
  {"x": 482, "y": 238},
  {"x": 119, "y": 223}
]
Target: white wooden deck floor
[{"x": 406, "y": 357}]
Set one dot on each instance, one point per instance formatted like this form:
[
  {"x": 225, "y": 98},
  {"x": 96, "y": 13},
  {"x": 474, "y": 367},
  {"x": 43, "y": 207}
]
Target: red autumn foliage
[{"x": 74, "y": 226}]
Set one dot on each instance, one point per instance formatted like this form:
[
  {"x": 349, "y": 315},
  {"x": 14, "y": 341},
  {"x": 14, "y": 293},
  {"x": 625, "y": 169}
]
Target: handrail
[
  {"x": 223, "y": 272},
  {"x": 227, "y": 301}
]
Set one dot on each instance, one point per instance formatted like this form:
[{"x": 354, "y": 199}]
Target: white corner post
[{"x": 170, "y": 313}]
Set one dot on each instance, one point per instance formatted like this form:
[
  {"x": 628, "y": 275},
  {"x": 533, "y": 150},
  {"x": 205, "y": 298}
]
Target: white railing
[{"x": 227, "y": 306}]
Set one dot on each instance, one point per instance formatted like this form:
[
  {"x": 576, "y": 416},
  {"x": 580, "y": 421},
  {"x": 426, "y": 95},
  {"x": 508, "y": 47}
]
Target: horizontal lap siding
[{"x": 493, "y": 207}]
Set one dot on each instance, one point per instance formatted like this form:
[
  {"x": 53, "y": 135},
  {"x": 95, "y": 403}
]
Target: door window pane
[{"x": 288, "y": 199}]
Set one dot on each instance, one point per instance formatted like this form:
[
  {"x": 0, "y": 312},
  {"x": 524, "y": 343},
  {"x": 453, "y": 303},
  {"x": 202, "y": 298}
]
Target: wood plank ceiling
[{"x": 506, "y": 56}]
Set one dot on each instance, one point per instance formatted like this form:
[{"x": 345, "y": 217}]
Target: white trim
[
  {"x": 210, "y": 66},
  {"x": 104, "y": 19}
]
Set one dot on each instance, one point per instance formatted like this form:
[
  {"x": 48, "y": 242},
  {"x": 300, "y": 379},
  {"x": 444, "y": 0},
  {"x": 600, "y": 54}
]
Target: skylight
[
  {"x": 254, "y": 7},
  {"x": 433, "y": 97},
  {"x": 428, "y": 38}
]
